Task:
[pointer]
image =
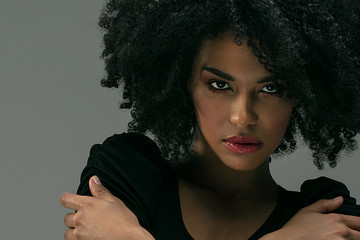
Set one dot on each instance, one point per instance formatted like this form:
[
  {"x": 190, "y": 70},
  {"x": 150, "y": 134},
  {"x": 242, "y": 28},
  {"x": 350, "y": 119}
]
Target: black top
[{"x": 131, "y": 167}]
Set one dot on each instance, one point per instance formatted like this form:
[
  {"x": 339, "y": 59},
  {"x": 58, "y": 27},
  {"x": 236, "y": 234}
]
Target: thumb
[
  {"x": 325, "y": 205},
  {"x": 98, "y": 190}
]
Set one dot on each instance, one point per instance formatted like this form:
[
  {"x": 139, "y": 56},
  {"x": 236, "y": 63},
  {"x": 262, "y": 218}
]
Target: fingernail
[
  {"x": 96, "y": 180},
  {"x": 337, "y": 199}
]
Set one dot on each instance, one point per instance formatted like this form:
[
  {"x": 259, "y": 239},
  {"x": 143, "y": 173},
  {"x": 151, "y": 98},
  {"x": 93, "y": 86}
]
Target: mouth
[{"x": 242, "y": 144}]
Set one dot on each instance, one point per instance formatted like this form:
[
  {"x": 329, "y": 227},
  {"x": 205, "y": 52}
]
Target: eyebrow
[
  {"x": 270, "y": 78},
  {"x": 218, "y": 73}
]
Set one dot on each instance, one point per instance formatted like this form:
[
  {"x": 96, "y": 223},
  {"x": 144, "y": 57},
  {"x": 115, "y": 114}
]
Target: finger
[
  {"x": 69, "y": 220},
  {"x": 99, "y": 191},
  {"x": 69, "y": 234},
  {"x": 72, "y": 201},
  {"x": 325, "y": 205},
  {"x": 353, "y": 235},
  {"x": 352, "y": 222}
]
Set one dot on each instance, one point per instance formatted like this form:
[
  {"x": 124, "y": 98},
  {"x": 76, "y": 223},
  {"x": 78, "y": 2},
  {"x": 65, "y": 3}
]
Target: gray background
[{"x": 53, "y": 110}]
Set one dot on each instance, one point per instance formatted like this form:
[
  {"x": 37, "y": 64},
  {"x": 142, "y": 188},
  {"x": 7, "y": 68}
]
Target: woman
[{"x": 222, "y": 86}]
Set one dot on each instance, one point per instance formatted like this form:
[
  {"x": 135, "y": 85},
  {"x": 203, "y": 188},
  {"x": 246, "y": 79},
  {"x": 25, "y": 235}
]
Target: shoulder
[
  {"x": 136, "y": 141},
  {"x": 130, "y": 165},
  {"x": 326, "y": 188},
  {"x": 126, "y": 144},
  {"x": 132, "y": 152}
]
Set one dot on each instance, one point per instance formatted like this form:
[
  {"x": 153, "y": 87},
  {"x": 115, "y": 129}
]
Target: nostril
[{"x": 243, "y": 119}]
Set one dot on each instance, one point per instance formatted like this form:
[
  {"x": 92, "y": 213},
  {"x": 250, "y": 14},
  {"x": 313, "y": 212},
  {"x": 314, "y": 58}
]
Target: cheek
[
  {"x": 210, "y": 111},
  {"x": 276, "y": 120}
]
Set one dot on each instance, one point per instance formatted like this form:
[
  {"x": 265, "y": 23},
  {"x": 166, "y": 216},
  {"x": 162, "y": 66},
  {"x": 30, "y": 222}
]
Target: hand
[
  {"x": 315, "y": 222},
  {"x": 100, "y": 217}
]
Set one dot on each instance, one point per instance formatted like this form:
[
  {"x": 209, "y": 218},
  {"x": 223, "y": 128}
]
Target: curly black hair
[{"x": 312, "y": 45}]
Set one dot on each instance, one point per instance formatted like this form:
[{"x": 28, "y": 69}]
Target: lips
[{"x": 242, "y": 144}]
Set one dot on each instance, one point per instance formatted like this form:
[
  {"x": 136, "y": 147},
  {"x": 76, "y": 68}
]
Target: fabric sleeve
[
  {"x": 131, "y": 167},
  {"x": 325, "y": 188}
]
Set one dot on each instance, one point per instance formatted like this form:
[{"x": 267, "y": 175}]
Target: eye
[
  {"x": 270, "y": 89},
  {"x": 219, "y": 85},
  {"x": 277, "y": 89}
]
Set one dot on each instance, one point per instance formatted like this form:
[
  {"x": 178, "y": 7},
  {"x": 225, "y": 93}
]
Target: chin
[{"x": 242, "y": 164}]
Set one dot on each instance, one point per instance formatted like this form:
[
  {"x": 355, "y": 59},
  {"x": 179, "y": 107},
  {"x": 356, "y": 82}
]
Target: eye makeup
[
  {"x": 219, "y": 81},
  {"x": 218, "y": 86}
]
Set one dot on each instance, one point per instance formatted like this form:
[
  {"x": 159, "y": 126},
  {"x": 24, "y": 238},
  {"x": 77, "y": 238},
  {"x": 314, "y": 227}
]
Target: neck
[{"x": 228, "y": 184}]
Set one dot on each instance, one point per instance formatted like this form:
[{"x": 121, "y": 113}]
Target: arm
[
  {"x": 105, "y": 215},
  {"x": 315, "y": 222},
  {"x": 132, "y": 169},
  {"x": 102, "y": 216}
]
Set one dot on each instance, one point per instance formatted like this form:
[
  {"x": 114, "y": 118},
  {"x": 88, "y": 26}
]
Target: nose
[{"x": 243, "y": 112}]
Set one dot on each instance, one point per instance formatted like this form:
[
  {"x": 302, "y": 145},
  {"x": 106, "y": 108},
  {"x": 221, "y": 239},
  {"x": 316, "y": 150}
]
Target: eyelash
[
  {"x": 279, "y": 87},
  {"x": 217, "y": 90}
]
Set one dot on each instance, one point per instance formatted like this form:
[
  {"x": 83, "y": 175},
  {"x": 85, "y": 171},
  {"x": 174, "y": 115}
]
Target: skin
[
  {"x": 231, "y": 98},
  {"x": 233, "y": 194},
  {"x": 99, "y": 217},
  {"x": 316, "y": 222},
  {"x": 244, "y": 105}
]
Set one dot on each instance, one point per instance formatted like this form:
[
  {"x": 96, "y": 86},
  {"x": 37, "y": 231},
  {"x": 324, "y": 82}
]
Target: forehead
[{"x": 221, "y": 52}]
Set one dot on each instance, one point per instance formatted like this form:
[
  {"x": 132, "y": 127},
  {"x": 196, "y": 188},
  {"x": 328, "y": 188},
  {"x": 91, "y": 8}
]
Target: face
[{"x": 240, "y": 112}]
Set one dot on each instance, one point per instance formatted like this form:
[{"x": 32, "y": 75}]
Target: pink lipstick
[{"x": 242, "y": 144}]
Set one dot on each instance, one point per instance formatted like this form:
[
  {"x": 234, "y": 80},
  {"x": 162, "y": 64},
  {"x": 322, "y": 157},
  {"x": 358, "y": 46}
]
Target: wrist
[
  {"x": 137, "y": 233},
  {"x": 277, "y": 235},
  {"x": 145, "y": 235}
]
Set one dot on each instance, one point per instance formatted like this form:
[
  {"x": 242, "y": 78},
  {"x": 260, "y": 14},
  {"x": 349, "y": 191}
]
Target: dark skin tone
[
  {"x": 221, "y": 211},
  {"x": 228, "y": 189},
  {"x": 223, "y": 194}
]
